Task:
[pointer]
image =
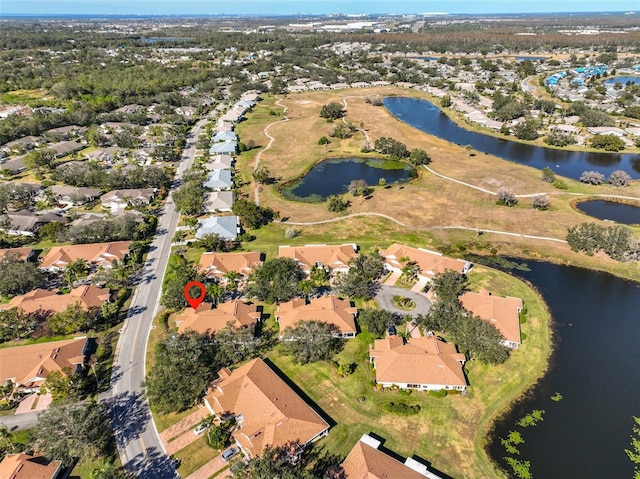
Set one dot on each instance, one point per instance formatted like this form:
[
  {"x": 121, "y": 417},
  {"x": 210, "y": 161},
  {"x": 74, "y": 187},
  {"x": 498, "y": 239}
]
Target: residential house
[
  {"x": 225, "y": 226},
  {"x": 27, "y": 367},
  {"x": 26, "y": 466},
  {"x": 95, "y": 254},
  {"x": 206, "y": 318},
  {"x": 224, "y": 136},
  {"x": 17, "y": 254},
  {"x": 423, "y": 363},
  {"x": 73, "y": 195},
  {"x": 224, "y": 147},
  {"x": 367, "y": 460},
  {"x": 13, "y": 166},
  {"x": 429, "y": 263},
  {"x": 49, "y": 302},
  {"x": 503, "y": 313},
  {"x": 220, "y": 162},
  {"x": 217, "y": 265},
  {"x": 25, "y": 223},
  {"x": 219, "y": 180},
  {"x": 268, "y": 412},
  {"x": 63, "y": 148},
  {"x": 25, "y": 143},
  {"x": 118, "y": 200},
  {"x": 338, "y": 313},
  {"x": 334, "y": 257},
  {"x": 218, "y": 201}
]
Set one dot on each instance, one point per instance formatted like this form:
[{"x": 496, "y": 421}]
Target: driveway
[
  {"x": 211, "y": 468},
  {"x": 385, "y": 300}
]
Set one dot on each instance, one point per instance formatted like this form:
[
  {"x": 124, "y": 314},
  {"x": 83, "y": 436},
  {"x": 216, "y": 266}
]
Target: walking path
[
  {"x": 271, "y": 140},
  {"x": 210, "y": 468}
]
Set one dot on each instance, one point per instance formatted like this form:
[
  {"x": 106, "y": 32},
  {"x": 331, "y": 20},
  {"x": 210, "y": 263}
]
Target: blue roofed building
[
  {"x": 219, "y": 180},
  {"x": 224, "y": 136},
  {"x": 224, "y": 148},
  {"x": 225, "y": 226}
]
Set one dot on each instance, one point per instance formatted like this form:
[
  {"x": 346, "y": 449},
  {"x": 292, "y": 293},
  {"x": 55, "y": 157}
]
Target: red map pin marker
[{"x": 194, "y": 302}]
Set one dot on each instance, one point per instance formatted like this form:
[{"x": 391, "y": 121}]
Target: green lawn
[{"x": 194, "y": 456}]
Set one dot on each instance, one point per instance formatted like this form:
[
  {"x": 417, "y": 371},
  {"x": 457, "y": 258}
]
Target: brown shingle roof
[
  {"x": 430, "y": 262},
  {"x": 19, "y": 254},
  {"x": 333, "y": 256},
  {"x": 28, "y": 366},
  {"x": 97, "y": 253},
  {"x": 328, "y": 309},
  {"x": 422, "y": 360},
  {"x": 89, "y": 296},
  {"x": 218, "y": 264},
  {"x": 367, "y": 462},
  {"x": 501, "y": 312},
  {"x": 272, "y": 413},
  {"x": 206, "y": 318}
]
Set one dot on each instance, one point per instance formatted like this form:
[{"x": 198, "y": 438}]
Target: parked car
[
  {"x": 200, "y": 428},
  {"x": 229, "y": 453}
]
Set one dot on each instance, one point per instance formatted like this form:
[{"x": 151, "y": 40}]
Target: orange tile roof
[
  {"x": 29, "y": 365},
  {"x": 218, "y": 264},
  {"x": 207, "y": 318},
  {"x": 20, "y": 254},
  {"x": 272, "y": 413},
  {"x": 96, "y": 253},
  {"x": 422, "y": 360},
  {"x": 328, "y": 309},
  {"x": 333, "y": 256},
  {"x": 501, "y": 312},
  {"x": 430, "y": 262},
  {"x": 25, "y": 466},
  {"x": 367, "y": 462},
  {"x": 43, "y": 300}
]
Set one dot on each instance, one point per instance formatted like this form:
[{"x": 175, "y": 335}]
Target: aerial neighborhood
[{"x": 296, "y": 247}]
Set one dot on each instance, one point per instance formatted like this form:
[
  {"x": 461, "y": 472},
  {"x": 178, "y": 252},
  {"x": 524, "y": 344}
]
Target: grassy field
[
  {"x": 194, "y": 456},
  {"x": 450, "y": 432}
]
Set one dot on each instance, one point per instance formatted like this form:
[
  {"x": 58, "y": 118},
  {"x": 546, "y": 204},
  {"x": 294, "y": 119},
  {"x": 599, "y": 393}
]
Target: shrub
[
  {"x": 438, "y": 393},
  {"x": 548, "y": 176},
  {"x": 336, "y": 204},
  {"x": 291, "y": 233},
  {"x": 592, "y": 177},
  {"x": 400, "y": 409},
  {"x": 541, "y": 202},
  {"x": 346, "y": 369},
  {"x": 560, "y": 184},
  {"x": 607, "y": 142},
  {"x": 505, "y": 197},
  {"x": 619, "y": 179},
  {"x": 332, "y": 111}
]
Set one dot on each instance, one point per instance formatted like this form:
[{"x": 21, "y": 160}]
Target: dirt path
[{"x": 271, "y": 140}]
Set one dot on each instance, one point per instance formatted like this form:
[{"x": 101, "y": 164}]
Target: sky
[{"x": 287, "y": 7}]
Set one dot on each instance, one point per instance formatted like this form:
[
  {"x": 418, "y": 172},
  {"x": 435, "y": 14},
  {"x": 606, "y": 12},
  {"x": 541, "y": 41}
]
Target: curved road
[
  {"x": 140, "y": 448},
  {"x": 385, "y": 295}
]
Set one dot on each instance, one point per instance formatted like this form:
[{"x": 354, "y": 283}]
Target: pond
[
  {"x": 595, "y": 369},
  {"x": 425, "y": 116},
  {"x": 611, "y": 210},
  {"x": 332, "y": 177},
  {"x": 623, "y": 79}
]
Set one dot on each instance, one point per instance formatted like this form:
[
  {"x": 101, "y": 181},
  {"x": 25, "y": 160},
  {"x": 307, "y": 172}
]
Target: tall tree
[
  {"x": 78, "y": 430},
  {"x": 276, "y": 280},
  {"x": 311, "y": 341},
  {"x": 19, "y": 277},
  {"x": 360, "y": 281}
]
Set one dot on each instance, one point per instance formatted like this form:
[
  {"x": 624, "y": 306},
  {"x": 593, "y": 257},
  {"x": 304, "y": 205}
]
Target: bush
[
  {"x": 559, "y": 138},
  {"x": 336, "y": 204},
  {"x": 505, "y": 197},
  {"x": 400, "y": 409},
  {"x": 346, "y": 369},
  {"x": 592, "y": 177},
  {"x": 619, "y": 179},
  {"x": 548, "y": 176},
  {"x": 607, "y": 142},
  {"x": 439, "y": 393},
  {"x": 560, "y": 184},
  {"x": 541, "y": 202},
  {"x": 332, "y": 111},
  {"x": 291, "y": 233}
]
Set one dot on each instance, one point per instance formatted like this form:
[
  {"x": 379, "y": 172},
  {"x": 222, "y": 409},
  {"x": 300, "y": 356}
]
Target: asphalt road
[
  {"x": 385, "y": 295},
  {"x": 139, "y": 445},
  {"x": 18, "y": 422}
]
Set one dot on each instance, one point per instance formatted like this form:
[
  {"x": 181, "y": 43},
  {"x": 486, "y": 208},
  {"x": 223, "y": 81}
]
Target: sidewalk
[{"x": 180, "y": 435}]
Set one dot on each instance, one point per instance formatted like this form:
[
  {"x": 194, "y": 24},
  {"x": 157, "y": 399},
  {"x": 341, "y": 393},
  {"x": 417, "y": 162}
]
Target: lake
[
  {"x": 611, "y": 210},
  {"x": 425, "y": 116},
  {"x": 594, "y": 367},
  {"x": 332, "y": 177},
  {"x": 623, "y": 79}
]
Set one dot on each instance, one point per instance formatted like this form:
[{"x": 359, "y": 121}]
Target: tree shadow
[
  {"x": 129, "y": 416},
  {"x": 152, "y": 464}
]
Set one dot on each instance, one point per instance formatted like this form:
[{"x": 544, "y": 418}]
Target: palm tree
[
  {"x": 74, "y": 270},
  {"x": 232, "y": 280},
  {"x": 215, "y": 292}
]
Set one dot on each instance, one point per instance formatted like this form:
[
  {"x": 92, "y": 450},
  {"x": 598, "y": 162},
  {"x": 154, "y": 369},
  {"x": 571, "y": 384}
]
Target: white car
[{"x": 199, "y": 429}]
